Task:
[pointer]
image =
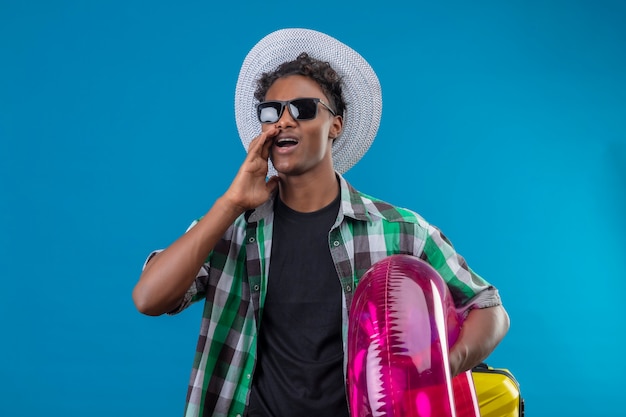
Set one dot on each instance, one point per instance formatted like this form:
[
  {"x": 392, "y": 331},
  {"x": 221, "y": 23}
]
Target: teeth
[{"x": 286, "y": 141}]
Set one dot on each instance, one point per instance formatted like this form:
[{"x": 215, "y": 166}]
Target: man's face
[{"x": 302, "y": 146}]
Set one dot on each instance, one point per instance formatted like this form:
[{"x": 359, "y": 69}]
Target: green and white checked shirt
[{"x": 233, "y": 284}]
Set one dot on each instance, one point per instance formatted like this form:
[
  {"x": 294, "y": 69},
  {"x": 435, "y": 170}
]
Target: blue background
[{"x": 504, "y": 123}]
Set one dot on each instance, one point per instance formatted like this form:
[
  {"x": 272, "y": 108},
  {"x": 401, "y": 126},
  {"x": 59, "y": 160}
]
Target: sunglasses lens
[
  {"x": 269, "y": 112},
  {"x": 303, "y": 109},
  {"x": 300, "y": 109}
]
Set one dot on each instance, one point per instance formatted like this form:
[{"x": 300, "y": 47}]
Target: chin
[
  {"x": 290, "y": 171},
  {"x": 283, "y": 167}
]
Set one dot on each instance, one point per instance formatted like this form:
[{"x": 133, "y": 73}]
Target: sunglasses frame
[{"x": 287, "y": 104}]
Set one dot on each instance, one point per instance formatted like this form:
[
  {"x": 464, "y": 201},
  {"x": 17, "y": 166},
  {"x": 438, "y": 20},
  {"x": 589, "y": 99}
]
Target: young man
[{"x": 276, "y": 260}]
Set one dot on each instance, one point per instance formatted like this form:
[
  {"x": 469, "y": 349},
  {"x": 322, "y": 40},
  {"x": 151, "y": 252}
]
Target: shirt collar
[
  {"x": 352, "y": 205},
  {"x": 264, "y": 211}
]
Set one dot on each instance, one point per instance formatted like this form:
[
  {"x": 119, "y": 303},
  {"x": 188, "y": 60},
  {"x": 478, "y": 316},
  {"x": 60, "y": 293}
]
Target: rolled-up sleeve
[
  {"x": 469, "y": 290},
  {"x": 196, "y": 291}
]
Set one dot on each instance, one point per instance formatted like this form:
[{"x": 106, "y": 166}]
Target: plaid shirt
[{"x": 233, "y": 283}]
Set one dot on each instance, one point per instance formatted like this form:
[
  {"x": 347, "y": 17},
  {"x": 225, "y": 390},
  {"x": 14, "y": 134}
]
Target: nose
[{"x": 286, "y": 119}]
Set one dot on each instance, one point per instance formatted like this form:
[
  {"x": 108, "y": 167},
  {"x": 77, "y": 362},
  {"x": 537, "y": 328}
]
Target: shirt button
[
  {"x": 256, "y": 288},
  {"x": 348, "y": 288},
  {"x": 336, "y": 243},
  {"x": 251, "y": 239},
  {"x": 248, "y": 376}
]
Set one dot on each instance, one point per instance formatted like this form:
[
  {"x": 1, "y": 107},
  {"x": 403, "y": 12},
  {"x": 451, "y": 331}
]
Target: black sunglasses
[{"x": 300, "y": 109}]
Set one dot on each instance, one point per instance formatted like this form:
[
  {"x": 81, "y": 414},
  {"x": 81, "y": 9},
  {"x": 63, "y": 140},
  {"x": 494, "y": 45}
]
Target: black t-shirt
[{"x": 299, "y": 371}]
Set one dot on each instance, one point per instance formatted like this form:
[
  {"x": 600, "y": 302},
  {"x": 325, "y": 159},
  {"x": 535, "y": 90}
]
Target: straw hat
[{"x": 361, "y": 89}]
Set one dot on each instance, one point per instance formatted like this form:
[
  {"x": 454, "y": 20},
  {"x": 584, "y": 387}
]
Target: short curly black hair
[{"x": 319, "y": 71}]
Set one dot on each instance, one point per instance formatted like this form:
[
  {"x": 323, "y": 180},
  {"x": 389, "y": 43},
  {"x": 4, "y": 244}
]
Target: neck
[{"x": 306, "y": 194}]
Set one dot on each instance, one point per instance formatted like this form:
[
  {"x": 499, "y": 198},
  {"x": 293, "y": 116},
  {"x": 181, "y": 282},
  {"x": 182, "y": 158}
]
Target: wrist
[{"x": 230, "y": 208}]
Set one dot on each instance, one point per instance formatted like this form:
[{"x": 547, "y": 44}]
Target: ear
[{"x": 336, "y": 127}]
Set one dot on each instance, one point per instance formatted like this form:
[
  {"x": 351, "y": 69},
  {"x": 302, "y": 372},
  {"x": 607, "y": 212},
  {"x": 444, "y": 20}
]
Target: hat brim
[{"x": 361, "y": 89}]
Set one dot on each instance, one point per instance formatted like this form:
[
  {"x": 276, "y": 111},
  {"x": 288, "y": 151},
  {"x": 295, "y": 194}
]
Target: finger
[
  {"x": 253, "y": 143},
  {"x": 262, "y": 139},
  {"x": 265, "y": 148},
  {"x": 260, "y": 146}
]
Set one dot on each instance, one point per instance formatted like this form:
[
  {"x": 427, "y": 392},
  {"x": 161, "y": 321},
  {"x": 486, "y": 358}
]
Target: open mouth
[{"x": 285, "y": 142}]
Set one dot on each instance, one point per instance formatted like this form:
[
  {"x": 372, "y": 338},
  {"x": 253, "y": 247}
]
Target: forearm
[
  {"x": 167, "y": 277},
  {"x": 482, "y": 331}
]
